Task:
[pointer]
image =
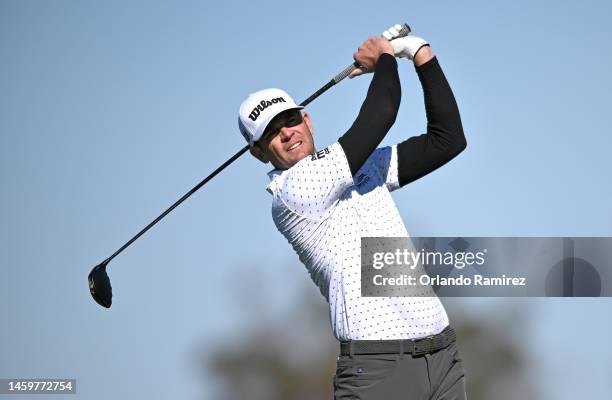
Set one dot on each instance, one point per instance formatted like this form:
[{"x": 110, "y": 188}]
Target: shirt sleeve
[
  {"x": 377, "y": 113},
  {"x": 444, "y": 140},
  {"x": 315, "y": 184},
  {"x": 385, "y": 160}
]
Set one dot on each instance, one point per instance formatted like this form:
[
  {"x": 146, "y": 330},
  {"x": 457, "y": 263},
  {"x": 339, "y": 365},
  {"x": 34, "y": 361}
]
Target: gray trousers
[{"x": 435, "y": 376}]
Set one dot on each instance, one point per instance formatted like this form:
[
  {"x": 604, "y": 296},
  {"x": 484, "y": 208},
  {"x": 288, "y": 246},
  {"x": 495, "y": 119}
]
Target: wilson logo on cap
[
  {"x": 263, "y": 105},
  {"x": 259, "y": 109}
]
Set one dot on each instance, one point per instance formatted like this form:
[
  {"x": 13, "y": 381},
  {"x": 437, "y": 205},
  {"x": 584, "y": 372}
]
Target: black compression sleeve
[
  {"x": 444, "y": 139},
  {"x": 376, "y": 116}
]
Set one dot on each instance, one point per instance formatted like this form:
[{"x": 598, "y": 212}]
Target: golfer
[{"x": 324, "y": 201}]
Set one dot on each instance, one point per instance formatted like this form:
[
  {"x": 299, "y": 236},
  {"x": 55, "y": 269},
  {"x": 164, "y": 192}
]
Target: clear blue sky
[{"x": 109, "y": 111}]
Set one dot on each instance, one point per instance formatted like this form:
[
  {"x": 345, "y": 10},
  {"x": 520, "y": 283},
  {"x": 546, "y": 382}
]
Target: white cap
[{"x": 259, "y": 108}]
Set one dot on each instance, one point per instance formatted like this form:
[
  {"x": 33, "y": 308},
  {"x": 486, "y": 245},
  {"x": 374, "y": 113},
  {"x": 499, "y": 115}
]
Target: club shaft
[
  {"x": 343, "y": 74},
  {"x": 178, "y": 202}
]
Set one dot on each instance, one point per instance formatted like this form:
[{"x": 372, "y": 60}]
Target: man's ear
[
  {"x": 308, "y": 123},
  {"x": 258, "y": 153}
]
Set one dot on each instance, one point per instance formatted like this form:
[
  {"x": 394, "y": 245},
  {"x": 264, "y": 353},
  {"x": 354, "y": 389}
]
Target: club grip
[{"x": 405, "y": 30}]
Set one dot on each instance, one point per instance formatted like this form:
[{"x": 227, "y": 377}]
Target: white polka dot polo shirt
[{"x": 324, "y": 212}]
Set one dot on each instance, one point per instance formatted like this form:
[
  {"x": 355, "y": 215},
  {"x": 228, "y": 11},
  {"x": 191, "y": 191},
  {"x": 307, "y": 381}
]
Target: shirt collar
[{"x": 275, "y": 173}]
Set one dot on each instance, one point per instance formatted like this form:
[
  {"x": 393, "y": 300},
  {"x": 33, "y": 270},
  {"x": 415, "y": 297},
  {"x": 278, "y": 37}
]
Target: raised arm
[
  {"x": 420, "y": 155},
  {"x": 380, "y": 107}
]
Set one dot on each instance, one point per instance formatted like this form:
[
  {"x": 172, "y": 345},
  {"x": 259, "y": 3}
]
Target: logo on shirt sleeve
[
  {"x": 362, "y": 179},
  {"x": 319, "y": 154}
]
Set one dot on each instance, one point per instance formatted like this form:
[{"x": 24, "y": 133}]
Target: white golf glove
[{"x": 404, "y": 47}]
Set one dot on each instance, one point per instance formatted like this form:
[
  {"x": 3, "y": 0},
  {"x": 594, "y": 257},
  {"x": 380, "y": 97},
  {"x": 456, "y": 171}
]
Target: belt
[{"x": 415, "y": 347}]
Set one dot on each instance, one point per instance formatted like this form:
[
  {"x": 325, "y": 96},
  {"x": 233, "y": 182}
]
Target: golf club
[{"x": 99, "y": 283}]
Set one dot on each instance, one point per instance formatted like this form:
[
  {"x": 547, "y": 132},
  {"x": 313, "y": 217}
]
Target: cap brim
[{"x": 265, "y": 123}]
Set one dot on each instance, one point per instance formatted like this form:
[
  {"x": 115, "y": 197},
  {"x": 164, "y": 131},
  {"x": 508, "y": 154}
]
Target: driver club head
[{"x": 99, "y": 285}]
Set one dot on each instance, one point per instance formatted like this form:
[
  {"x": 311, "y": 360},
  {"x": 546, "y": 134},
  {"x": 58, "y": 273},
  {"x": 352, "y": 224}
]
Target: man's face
[{"x": 286, "y": 140}]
